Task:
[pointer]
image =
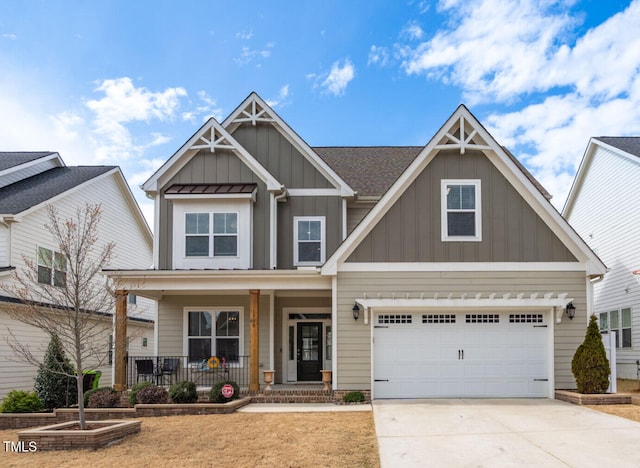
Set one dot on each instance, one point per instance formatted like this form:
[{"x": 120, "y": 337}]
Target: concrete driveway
[{"x": 512, "y": 432}]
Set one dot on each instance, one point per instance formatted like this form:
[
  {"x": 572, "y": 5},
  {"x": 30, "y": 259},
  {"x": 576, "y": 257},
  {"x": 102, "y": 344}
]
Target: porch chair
[
  {"x": 169, "y": 369},
  {"x": 144, "y": 370}
]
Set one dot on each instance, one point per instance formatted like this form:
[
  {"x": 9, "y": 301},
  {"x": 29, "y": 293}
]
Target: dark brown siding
[
  {"x": 267, "y": 145},
  {"x": 511, "y": 230}
]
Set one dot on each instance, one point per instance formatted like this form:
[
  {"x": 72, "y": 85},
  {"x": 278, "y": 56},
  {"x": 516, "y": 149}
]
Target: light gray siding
[
  {"x": 329, "y": 207},
  {"x": 411, "y": 230},
  {"x": 278, "y": 156},
  {"x": 171, "y": 333},
  {"x": 221, "y": 167},
  {"x": 354, "y": 338}
]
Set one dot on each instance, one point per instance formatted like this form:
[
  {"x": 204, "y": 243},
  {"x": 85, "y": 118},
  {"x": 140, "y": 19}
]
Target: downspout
[{"x": 274, "y": 199}]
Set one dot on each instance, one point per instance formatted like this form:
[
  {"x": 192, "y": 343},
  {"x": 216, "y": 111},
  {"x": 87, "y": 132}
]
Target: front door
[{"x": 309, "y": 351}]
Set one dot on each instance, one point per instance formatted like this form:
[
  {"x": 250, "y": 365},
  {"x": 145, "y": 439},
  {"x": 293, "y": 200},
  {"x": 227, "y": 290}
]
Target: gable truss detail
[
  {"x": 212, "y": 140},
  {"x": 462, "y": 142},
  {"x": 253, "y": 113}
]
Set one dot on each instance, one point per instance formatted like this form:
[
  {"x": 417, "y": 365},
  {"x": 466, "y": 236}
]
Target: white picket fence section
[{"x": 609, "y": 341}]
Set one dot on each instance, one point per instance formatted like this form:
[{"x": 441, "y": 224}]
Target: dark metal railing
[{"x": 167, "y": 370}]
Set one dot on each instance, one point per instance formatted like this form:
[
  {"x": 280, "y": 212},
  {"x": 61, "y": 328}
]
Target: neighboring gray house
[
  {"x": 603, "y": 207},
  {"x": 409, "y": 272},
  {"x": 29, "y": 181}
]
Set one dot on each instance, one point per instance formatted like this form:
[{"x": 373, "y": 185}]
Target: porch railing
[{"x": 167, "y": 370}]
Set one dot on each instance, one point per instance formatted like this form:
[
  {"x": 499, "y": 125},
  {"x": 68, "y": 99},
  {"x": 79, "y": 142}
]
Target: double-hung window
[
  {"x": 211, "y": 234},
  {"x": 52, "y": 267},
  {"x": 618, "y": 321},
  {"x": 461, "y": 210},
  {"x": 309, "y": 240},
  {"x": 214, "y": 333}
]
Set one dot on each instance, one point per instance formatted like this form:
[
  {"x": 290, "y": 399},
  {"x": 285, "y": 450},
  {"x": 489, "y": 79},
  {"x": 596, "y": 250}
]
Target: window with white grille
[
  {"x": 439, "y": 318},
  {"x": 525, "y": 318},
  {"x": 482, "y": 318},
  {"x": 394, "y": 318}
]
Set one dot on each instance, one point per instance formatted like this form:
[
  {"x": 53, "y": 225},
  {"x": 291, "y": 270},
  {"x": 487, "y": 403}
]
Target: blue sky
[{"x": 128, "y": 82}]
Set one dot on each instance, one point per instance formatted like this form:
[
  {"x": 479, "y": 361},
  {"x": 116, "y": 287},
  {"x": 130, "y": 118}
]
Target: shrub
[
  {"x": 104, "y": 397},
  {"x": 590, "y": 365},
  {"x": 183, "y": 392},
  {"x": 152, "y": 394},
  {"x": 353, "y": 397},
  {"x": 88, "y": 393},
  {"x": 55, "y": 389},
  {"x": 216, "y": 395},
  {"x": 19, "y": 401},
  {"x": 133, "y": 396}
]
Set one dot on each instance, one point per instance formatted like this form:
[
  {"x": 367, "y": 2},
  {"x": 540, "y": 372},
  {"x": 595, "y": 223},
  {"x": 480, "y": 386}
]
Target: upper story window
[
  {"x": 211, "y": 234},
  {"x": 52, "y": 267},
  {"x": 309, "y": 240},
  {"x": 461, "y": 215}
]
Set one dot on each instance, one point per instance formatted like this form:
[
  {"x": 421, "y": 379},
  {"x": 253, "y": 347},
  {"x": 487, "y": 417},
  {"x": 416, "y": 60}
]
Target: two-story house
[
  {"x": 435, "y": 271},
  {"x": 29, "y": 181},
  {"x": 603, "y": 208}
]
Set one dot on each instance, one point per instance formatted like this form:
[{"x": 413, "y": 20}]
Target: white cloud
[
  {"x": 280, "y": 99},
  {"x": 123, "y": 104},
  {"x": 413, "y": 31},
  {"x": 203, "y": 109},
  {"x": 378, "y": 56},
  {"x": 10, "y": 36},
  {"x": 338, "y": 78},
  {"x": 509, "y": 51},
  {"x": 244, "y": 35},
  {"x": 248, "y": 55}
]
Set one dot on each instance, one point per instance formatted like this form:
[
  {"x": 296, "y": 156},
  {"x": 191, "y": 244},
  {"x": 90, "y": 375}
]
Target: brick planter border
[
  {"x": 599, "y": 399},
  {"x": 56, "y": 437}
]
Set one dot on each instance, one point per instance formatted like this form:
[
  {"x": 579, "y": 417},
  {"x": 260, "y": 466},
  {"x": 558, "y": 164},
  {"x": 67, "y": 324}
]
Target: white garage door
[{"x": 460, "y": 354}]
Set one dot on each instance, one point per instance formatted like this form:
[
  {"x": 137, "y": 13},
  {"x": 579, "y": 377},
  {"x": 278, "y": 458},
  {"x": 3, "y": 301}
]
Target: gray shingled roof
[
  {"x": 630, "y": 145},
  {"x": 369, "y": 170},
  {"x": 10, "y": 159},
  {"x": 22, "y": 195}
]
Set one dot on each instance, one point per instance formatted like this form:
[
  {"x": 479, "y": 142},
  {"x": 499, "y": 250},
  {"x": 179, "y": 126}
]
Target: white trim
[
  {"x": 323, "y": 239},
  {"x": 212, "y": 310},
  {"x": 302, "y": 192},
  {"x": 532, "y": 301},
  {"x": 344, "y": 219},
  {"x": 505, "y": 165},
  {"x": 462, "y": 266},
  {"x": 292, "y": 137},
  {"x": 272, "y": 330},
  {"x": 334, "y": 330},
  {"x": 33, "y": 162},
  {"x": 174, "y": 164},
  {"x": 273, "y": 228},
  {"x": 156, "y": 230},
  {"x": 477, "y": 210}
]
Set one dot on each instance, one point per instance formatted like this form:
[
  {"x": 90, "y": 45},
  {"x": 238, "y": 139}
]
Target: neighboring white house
[
  {"x": 29, "y": 181},
  {"x": 604, "y": 208}
]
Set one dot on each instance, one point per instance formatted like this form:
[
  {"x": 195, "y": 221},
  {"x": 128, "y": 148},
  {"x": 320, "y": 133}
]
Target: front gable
[
  {"x": 406, "y": 224},
  {"x": 411, "y": 231}
]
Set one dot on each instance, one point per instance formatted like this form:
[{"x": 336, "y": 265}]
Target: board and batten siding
[
  {"x": 411, "y": 230},
  {"x": 172, "y": 335},
  {"x": 279, "y": 157},
  {"x": 605, "y": 214},
  {"x": 220, "y": 168},
  {"x": 354, "y": 337},
  {"x": 328, "y": 207}
]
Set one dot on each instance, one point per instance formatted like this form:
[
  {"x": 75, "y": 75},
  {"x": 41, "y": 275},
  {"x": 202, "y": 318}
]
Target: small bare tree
[{"x": 62, "y": 294}]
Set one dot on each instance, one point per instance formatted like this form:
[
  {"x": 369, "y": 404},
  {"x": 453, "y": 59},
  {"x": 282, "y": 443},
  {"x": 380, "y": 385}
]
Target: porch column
[
  {"x": 254, "y": 313},
  {"x": 120, "y": 362}
]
